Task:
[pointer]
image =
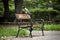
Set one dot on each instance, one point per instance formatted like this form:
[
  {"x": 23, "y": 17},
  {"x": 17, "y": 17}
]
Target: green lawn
[
  {"x": 12, "y": 31},
  {"x": 55, "y": 27},
  {"x": 6, "y": 31}
]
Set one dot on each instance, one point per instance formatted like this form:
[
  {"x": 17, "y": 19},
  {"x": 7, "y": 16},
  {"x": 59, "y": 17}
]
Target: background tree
[
  {"x": 6, "y": 9},
  {"x": 36, "y": 7},
  {"x": 18, "y": 6}
]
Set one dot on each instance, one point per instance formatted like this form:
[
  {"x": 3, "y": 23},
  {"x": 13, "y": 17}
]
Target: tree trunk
[
  {"x": 18, "y": 6},
  {"x": 6, "y": 9}
]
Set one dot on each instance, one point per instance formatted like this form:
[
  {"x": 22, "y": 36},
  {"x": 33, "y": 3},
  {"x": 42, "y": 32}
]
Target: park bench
[
  {"x": 25, "y": 20},
  {"x": 23, "y": 17}
]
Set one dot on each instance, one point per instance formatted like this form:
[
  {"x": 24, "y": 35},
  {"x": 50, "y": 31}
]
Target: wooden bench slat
[
  {"x": 23, "y": 26},
  {"x": 22, "y": 16}
]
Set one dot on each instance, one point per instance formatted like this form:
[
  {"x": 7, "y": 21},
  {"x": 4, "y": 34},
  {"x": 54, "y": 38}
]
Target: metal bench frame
[
  {"x": 20, "y": 17},
  {"x": 19, "y": 21}
]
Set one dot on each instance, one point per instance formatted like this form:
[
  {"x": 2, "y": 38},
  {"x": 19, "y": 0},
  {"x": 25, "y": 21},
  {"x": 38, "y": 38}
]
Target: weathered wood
[{"x": 22, "y": 16}]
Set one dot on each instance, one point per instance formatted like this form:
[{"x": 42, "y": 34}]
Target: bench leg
[
  {"x": 18, "y": 29},
  {"x": 30, "y": 32},
  {"x": 42, "y": 28},
  {"x": 18, "y": 32},
  {"x": 42, "y": 32},
  {"x": 31, "y": 28}
]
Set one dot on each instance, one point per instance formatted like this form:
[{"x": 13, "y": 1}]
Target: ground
[{"x": 49, "y": 35}]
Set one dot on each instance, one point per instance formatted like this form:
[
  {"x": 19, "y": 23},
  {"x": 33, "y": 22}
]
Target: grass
[
  {"x": 12, "y": 31},
  {"x": 5, "y": 31},
  {"x": 55, "y": 27}
]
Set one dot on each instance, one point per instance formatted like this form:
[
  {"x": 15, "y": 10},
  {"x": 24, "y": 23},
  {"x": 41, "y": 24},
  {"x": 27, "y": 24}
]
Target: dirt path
[{"x": 49, "y": 35}]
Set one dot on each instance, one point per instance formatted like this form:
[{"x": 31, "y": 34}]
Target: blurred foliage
[
  {"x": 38, "y": 8},
  {"x": 11, "y": 5},
  {"x": 52, "y": 27},
  {"x": 24, "y": 32},
  {"x": 1, "y": 9}
]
